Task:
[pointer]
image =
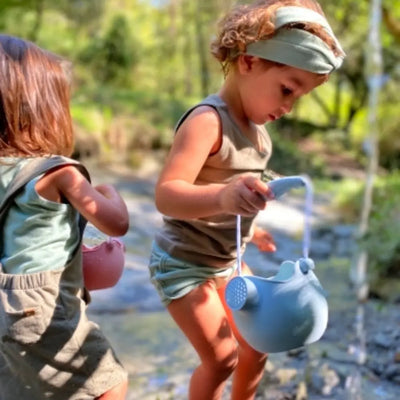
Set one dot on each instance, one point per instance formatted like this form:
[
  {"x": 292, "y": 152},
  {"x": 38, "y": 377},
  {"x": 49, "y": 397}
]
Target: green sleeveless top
[
  {"x": 212, "y": 241},
  {"x": 37, "y": 234}
]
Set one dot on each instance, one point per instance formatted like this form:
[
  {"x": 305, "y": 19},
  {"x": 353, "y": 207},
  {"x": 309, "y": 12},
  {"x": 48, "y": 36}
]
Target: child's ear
[{"x": 246, "y": 63}]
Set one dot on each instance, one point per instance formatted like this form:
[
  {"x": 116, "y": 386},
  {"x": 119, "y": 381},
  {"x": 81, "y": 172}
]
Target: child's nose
[{"x": 287, "y": 107}]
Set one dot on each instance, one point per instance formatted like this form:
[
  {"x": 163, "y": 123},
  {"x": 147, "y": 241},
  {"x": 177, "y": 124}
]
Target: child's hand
[
  {"x": 245, "y": 195},
  {"x": 263, "y": 240}
]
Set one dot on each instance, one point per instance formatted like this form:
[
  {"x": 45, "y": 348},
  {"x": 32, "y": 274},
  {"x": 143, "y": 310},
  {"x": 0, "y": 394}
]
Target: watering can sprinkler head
[{"x": 285, "y": 311}]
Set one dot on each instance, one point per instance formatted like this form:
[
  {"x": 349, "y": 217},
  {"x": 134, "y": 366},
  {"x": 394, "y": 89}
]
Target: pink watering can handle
[{"x": 279, "y": 187}]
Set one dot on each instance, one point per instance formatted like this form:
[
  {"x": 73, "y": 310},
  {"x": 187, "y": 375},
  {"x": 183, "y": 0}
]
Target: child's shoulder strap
[
  {"x": 213, "y": 101},
  {"x": 33, "y": 169}
]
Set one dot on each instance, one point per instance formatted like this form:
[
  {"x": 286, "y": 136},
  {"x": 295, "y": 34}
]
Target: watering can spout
[{"x": 241, "y": 293}]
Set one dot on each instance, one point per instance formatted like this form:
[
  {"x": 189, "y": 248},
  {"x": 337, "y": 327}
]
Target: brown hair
[
  {"x": 246, "y": 24},
  {"x": 35, "y": 117}
]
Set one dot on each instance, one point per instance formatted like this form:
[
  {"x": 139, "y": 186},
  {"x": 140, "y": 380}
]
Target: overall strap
[{"x": 30, "y": 171}]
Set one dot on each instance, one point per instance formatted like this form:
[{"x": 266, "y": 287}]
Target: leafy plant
[{"x": 383, "y": 239}]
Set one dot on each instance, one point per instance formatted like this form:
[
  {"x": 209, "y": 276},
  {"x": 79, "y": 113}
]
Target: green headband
[{"x": 296, "y": 47}]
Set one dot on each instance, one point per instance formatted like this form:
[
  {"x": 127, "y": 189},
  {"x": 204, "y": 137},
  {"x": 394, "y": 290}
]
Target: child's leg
[
  {"x": 116, "y": 393},
  {"x": 248, "y": 373},
  {"x": 202, "y": 318},
  {"x": 251, "y": 363}
]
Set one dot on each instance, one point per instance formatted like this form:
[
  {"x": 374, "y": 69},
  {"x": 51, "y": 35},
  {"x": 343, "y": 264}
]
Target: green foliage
[
  {"x": 88, "y": 117},
  {"x": 82, "y": 13},
  {"x": 383, "y": 240},
  {"x": 286, "y": 158},
  {"x": 347, "y": 198},
  {"x": 157, "y": 109},
  {"x": 113, "y": 56}
]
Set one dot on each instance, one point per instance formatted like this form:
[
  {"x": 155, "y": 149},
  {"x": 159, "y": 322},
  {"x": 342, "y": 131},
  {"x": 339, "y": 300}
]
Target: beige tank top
[{"x": 211, "y": 241}]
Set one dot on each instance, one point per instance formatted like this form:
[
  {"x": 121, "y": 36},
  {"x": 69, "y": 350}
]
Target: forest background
[{"x": 139, "y": 64}]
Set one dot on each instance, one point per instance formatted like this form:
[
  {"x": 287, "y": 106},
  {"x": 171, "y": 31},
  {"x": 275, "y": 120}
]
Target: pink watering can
[
  {"x": 103, "y": 264},
  {"x": 285, "y": 311}
]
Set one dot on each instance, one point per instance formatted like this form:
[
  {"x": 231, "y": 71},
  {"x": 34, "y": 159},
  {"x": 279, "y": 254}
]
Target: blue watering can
[{"x": 285, "y": 311}]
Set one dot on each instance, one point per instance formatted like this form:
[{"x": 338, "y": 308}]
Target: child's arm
[
  {"x": 177, "y": 195},
  {"x": 100, "y": 205}
]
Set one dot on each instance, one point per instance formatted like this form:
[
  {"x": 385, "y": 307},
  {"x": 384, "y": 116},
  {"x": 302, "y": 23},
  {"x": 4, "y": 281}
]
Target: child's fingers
[
  {"x": 246, "y": 195},
  {"x": 267, "y": 247},
  {"x": 258, "y": 186},
  {"x": 268, "y": 236}
]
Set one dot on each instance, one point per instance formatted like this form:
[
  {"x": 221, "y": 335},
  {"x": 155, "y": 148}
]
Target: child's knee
[{"x": 227, "y": 364}]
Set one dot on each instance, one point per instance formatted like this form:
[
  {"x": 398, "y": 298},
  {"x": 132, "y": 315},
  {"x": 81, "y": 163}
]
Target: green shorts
[
  {"x": 174, "y": 278},
  {"x": 48, "y": 347}
]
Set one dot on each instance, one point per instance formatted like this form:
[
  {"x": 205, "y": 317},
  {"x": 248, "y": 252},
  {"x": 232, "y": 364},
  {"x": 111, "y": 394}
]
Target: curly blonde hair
[{"x": 246, "y": 24}]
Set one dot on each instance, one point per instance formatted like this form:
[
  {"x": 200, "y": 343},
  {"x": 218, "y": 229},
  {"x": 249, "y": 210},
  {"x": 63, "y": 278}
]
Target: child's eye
[{"x": 286, "y": 91}]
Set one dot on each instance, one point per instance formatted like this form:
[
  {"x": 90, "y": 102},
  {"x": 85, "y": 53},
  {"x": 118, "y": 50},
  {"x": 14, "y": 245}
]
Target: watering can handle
[{"x": 281, "y": 185}]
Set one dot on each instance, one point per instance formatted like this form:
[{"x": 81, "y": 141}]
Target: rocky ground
[{"x": 358, "y": 358}]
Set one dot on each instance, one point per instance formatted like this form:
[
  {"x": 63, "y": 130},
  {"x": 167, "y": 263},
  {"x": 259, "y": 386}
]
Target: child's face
[{"x": 269, "y": 91}]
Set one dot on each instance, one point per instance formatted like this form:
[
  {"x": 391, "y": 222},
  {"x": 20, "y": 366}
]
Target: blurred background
[{"x": 139, "y": 64}]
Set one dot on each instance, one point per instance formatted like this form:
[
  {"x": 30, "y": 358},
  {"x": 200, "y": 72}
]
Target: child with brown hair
[
  {"x": 48, "y": 347},
  {"x": 273, "y": 52}
]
